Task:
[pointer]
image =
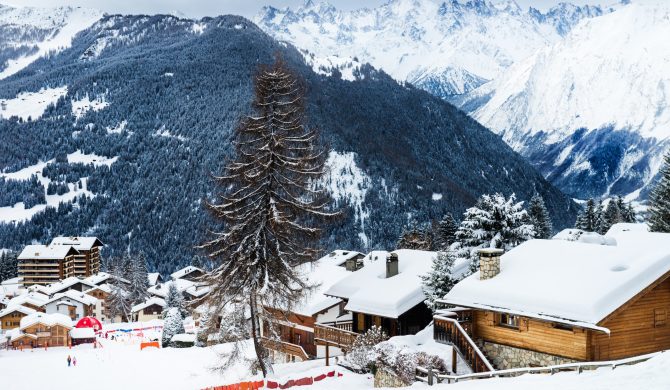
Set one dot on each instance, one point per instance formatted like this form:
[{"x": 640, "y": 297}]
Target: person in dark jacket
[{"x": 69, "y": 360}]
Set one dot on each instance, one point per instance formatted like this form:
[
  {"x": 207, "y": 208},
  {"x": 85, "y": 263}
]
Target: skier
[
  {"x": 69, "y": 360},
  {"x": 74, "y": 361}
]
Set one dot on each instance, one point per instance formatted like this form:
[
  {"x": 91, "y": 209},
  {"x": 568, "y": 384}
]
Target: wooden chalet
[
  {"x": 548, "y": 302},
  {"x": 42, "y": 330},
  {"x": 10, "y": 317}
]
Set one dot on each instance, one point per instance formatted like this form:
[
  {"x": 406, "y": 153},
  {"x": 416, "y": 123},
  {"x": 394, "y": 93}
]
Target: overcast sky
[{"x": 200, "y": 8}]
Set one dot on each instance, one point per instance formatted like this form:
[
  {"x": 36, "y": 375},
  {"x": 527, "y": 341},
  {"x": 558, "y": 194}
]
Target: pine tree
[
  {"x": 659, "y": 201},
  {"x": 8, "y": 265},
  {"x": 269, "y": 206},
  {"x": 446, "y": 232},
  {"x": 587, "y": 220},
  {"x": 174, "y": 299},
  {"x": 611, "y": 215},
  {"x": 628, "y": 214},
  {"x": 139, "y": 278},
  {"x": 439, "y": 280},
  {"x": 539, "y": 217},
  {"x": 173, "y": 324},
  {"x": 118, "y": 301},
  {"x": 494, "y": 222}
]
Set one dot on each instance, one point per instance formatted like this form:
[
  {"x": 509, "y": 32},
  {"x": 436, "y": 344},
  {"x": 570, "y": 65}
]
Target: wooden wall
[
  {"x": 11, "y": 320},
  {"x": 532, "y": 334},
  {"x": 639, "y": 327}
]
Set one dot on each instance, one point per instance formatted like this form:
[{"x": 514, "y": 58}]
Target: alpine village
[{"x": 400, "y": 193}]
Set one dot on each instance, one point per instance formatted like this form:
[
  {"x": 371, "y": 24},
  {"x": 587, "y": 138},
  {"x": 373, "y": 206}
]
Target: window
[
  {"x": 509, "y": 321},
  {"x": 660, "y": 317}
]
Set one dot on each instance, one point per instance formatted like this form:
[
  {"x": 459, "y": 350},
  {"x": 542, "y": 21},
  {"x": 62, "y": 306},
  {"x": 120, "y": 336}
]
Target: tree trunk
[{"x": 260, "y": 352}]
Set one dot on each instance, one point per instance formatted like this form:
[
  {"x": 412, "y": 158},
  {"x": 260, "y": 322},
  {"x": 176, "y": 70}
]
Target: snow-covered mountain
[
  {"x": 445, "y": 47},
  {"x": 591, "y": 111},
  {"x": 28, "y": 33}
]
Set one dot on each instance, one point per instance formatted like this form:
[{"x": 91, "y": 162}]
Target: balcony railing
[
  {"x": 335, "y": 336},
  {"x": 448, "y": 330},
  {"x": 284, "y": 347}
]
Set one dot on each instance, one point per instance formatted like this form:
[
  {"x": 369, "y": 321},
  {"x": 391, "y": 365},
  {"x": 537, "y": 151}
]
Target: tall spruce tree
[
  {"x": 174, "y": 299},
  {"x": 588, "y": 218},
  {"x": 612, "y": 214},
  {"x": 269, "y": 206},
  {"x": 439, "y": 280},
  {"x": 119, "y": 300},
  {"x": 8, "y": 265},
  {"x": 446, "y": 232},
  {"x": 539, "y": 217},
  {"x": 659, "y": 201}
]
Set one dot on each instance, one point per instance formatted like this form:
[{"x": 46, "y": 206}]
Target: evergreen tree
[
  {"x": 539, "y": 217},
  {"x": 173, "y": 324},
  {"x": 415, "y": 238},
  {"x": 8, "y": 265},
  {"x": 601, "y": 225},
  {"x": 494, "y": 222},
  {"x": 587, "y": 220},
  {"x": 119, "y": 300},
  {"x": 628, "y": 214},
  {"x": 439, "y": 280},
  {"x": 198, "y": 261},
  {"x": 659, "y": 201},
  {"x": 446, "y": 232},
  {"x": 174, "y": 299},
  {"x": 612, "y": 214}
]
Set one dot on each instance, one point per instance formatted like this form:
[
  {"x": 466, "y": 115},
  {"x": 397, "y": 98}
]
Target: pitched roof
[
  {"x": 32, "y": 298},
  {"x": 51, "y": 252},
  {"x": 185, "y": 271},
  {"x": 368, "y": 290},
  {"x": 79, "y": 243},
  {"x": 46, "y": 319},
  {"x": 151, "y": 301},
  {"x": 161, "y": 289},
  {"x": 153, "y": 278},
  {"x": 82, "y": 333},
  {"x": 76, "y": 296},
  {"x": 19, "y": 308},
  {"x": 64, "y": 285},
  {"x": 570, "y": 281}
]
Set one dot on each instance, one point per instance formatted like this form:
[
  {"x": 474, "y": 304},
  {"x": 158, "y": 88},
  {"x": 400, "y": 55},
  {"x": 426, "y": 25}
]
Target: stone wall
[
  {"x": 386, "y": 378},
  {"x": 489, "y": 267},
  {"x": 503, "y": 357}
]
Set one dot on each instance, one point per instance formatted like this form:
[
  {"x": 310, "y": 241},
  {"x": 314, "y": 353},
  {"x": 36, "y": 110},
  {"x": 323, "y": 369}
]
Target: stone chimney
[
  {"x": 489, "y": 262},
  {"x": 391, "y": 265}
]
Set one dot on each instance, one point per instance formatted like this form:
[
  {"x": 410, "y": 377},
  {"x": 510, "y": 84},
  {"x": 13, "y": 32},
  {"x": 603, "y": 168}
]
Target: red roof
[{"x": 89, "y": 322}]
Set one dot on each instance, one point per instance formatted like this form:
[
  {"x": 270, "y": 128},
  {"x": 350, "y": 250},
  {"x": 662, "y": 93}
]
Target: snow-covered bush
[
  {"x": 403, "y": 361},
  {"x": 173, "y": 324},
  {"x": 363, "y": 355}
]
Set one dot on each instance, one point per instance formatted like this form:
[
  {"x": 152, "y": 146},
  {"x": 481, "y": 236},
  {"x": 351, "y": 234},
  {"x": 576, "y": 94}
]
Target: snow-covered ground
[
  {"x": 81, "y": 106},
  {"x": 30, "y": 104}
]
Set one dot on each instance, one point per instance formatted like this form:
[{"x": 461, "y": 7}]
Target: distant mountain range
[{"x": 124, "y": 127}]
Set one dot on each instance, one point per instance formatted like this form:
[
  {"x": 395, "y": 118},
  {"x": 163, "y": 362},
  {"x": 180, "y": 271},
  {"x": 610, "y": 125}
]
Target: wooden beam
[{"x": 327, "y": 356}]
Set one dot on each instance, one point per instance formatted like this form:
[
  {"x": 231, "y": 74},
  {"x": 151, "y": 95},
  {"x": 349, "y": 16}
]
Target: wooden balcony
[
  {"x": 326, "y": 334},
  {"x": 284, "y": 347},
  {"x": 449, "y": 331}
]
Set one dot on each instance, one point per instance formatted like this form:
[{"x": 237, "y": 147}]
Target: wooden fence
[
  {"x": 448, "y": 330},
  {"x": 334, "y": 336}
]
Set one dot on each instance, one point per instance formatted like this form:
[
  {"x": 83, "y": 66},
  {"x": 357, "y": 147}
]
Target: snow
[
  {"x": 184, "y": 337},
  {"x": 82, "y": 333},
  {"x": 81, "y": 106},
  {"x": 198, "y": 28},
  {"x": 163, "y": 132},
  {"x": 437, "y": 196},
  {"x": 153, "y": 278},
  {"x": 30, "y": 104},
  {"x": 151, "y": 301},
  {"x": 369, "y": 291},
  {"x": 78, "y": 243},
  {"x": 63, "y": 22},
  {"x": 81, "y": 158},
  {"x": 46, "y": 319},
  {"x": 44, "y": 252},
  {"x": 16, "y": 308},
  {"x": 584, "y": 237},
  {"x": 75, "y": 295},
  {"x": 568, "y": 281},
  {"x": 185, "y": 271}
]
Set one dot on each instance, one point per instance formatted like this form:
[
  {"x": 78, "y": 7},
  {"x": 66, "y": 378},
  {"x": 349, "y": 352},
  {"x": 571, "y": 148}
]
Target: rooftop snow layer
[
  {"x": 55, "y": 252},
  {"x": 151, "y": 301},
  {"x": 79, "y": 243},
  {"x": 568, "y": 280},
  {"x": 368, "y": 290},
  {"x": 185, "y": 271},
  {"x": 82, "y": 333},
  {"x": 46, "y": 319},
  {"x": 76, "y": 296}
]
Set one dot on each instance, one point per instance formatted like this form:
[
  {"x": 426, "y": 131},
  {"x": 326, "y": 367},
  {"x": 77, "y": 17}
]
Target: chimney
[
  {"x": 391, "y": 265},
  {"x": 489, "y": 262}
]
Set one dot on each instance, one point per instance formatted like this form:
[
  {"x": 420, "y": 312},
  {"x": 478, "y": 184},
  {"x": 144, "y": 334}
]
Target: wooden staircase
[{"x": 449, "y": 331}]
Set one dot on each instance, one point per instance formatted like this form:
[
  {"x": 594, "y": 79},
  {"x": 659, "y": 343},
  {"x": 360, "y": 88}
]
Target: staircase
[{"x": 449, "y": 331}]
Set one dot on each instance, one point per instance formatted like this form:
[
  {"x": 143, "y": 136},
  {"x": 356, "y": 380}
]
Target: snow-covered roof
[
  {"x": 102, "y": 287},
  {"x": 153, "y": 278},
  {"x": 197, "y": 290},
  {"x": 185, "y": 271},
  {"x": 16, "y": 334},
  {"x": 51, "y": 252},
  {"x": 32, "y": 298},
  {"x": 82, "y": 333},
  {"x": 323, "y": 274},
  {"x": 64, "y": 284},
  {"x": 161, "y": 289},
  {"x": 79, "y": 243},
  {"x": 627, "y": 227},
  {"x": 98, "y": 278},
  {"x": 585, "y": 237},
  {"x": 46, "y": 319},
  {"x": 76, "y": 296},
  {"x": 184, "y": 338},
  {"x": 151, "y": 301},
  {"x": 569, "y": 281},
  {"x": 368, "y": 290},
  {"x": 15, "y": 308},
  {"x": 11, "y": 282}
]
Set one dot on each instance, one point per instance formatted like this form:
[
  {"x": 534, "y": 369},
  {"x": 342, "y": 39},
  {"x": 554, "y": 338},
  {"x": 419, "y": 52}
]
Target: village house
[
  {"x": 72, "y": 303},
  {"x": 101, "y": 311},
  {"x": 42, "y": 330},
  {"x": 10, "y": 317},
  {"x": 189, "y": 273},
  {"x": 294, "y": 339},
  {"x": 31, "y": 299},
  {"x": 67, "y": 284},
  {"x": 150, "y": 309},
  {"x": 86, "y": 261},
  {"x": 154, "y": 278},
  {"x": 580, "y": 297}
]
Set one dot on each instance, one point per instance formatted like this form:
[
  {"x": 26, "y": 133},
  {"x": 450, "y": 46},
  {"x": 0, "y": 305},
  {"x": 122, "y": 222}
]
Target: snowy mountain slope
[
  {"x": 29, "y": 33},
  {"x": 164, "y": 94},
  {"x": 592, "y": 110},
  {"x": 444, "y": 47}
]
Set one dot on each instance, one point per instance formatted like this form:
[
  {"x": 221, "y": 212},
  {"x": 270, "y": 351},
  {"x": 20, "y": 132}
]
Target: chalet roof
[
  {"x": 154, "y": 277},
  {"x": 82, "y": 333},
  {"x": 161, "y": 289},
  {"x": 15, "y": 308},
  {"x": 570, "y": 281},
  {"x": 16, "y": 334},
  {"x": 46, "y": 319},
  {"x": 185, "y": 271},
  {"x": 102, "y": 287},
  {"x": 369, "y": 291},
  {"x": 79, "y": 243},
  {"x": 75, "y": 296},
  {"x": 32, "y": 298},
  {"x": 51, "y": 252},
  {"x": 151, "y": 301},
  {"x": 64, "y": 285}
]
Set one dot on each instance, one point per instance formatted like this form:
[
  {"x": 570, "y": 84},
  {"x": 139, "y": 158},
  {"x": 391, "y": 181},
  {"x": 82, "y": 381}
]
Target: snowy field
[{"x": 121, "y": 365}]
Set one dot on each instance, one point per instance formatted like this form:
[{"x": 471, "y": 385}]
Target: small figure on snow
[
  {"x": 69, "y": 360},
  {"x": 74, "y": 361}
]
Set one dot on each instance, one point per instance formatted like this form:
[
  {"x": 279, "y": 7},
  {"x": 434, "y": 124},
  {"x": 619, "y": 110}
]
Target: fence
[
  {"x": 431, "y": 377},
  {"x": 450, "y": 331},
  {"x": 270, "y": 384}
]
